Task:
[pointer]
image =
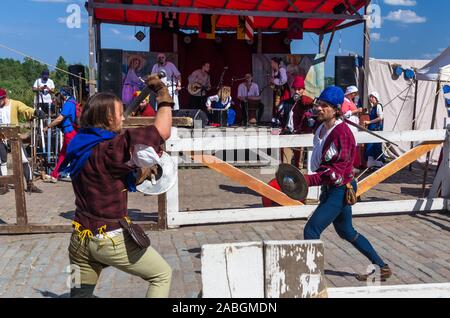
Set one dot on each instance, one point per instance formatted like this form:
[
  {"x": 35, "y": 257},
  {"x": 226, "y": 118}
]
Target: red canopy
[{"x": 269, "y": 15}]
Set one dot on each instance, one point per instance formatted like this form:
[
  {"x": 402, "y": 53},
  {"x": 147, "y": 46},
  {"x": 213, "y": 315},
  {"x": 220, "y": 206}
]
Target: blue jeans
[{"x": 333, "y": 209}]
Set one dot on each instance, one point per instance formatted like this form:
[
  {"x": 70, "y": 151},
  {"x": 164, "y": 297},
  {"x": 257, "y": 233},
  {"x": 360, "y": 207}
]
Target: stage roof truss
[{"x": 269, "y": 15}]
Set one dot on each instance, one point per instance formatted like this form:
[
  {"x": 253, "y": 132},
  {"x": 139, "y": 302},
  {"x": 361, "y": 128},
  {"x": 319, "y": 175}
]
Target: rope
[{"x": 42, "y": 62}]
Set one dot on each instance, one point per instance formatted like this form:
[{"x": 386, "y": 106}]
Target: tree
[{"x": 61, "y": 78}]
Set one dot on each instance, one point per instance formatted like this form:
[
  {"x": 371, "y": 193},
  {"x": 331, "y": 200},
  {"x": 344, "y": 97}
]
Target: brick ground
[{"x": 416, "y": 246}]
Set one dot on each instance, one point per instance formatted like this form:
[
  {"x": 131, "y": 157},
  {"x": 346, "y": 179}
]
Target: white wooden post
[
  {"x": 172, "y": 203},
  {"x": 233, "y": 270},
  {"x": 294, "y": 269}
]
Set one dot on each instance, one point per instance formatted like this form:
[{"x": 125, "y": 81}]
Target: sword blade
[{"x": 368, "y": 131}]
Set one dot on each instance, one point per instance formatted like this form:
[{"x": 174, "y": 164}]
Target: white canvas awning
[{"x": 437, "y": 69}]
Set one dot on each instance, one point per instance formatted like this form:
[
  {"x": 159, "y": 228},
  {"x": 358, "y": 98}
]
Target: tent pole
[
  {"x": 321, "y": 46},
  {"x": 91, "y": 51},
  {"x": 366, "y": 57},
  {"x": 433, "y": 120},
  {"x": 414, "y": 114}
]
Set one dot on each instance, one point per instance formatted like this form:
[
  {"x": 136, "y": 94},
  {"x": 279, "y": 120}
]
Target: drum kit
[{"x": 253, "y": 103}]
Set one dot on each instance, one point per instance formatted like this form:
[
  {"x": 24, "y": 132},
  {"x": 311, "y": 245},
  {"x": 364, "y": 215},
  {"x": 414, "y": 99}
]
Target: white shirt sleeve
[
  {"x": 175, "y": 71},
  {"x": 210, "y": 99},
  {"x": 254, "y": 90},
  {"x": 283, "y": 77},
  {"x": 36, "y": 84},
  {"x": 144, "y": 156},
  {"x": 155, "y": 69},
  {"x": 50, "y": 84},
  {"x": 242, "y": 92},
  {"x": 380, "y": 111}
]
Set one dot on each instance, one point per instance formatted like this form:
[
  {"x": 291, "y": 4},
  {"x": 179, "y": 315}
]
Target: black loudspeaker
[
  {"x": 195, "y": 114},
  {"x": 75, "y": 82},
  {"x": 345, "y": 71},
  {"x": 110, "y": 71}
]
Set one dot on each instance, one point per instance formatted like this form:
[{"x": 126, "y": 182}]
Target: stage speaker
[
  {"x": 110, "y": 71},
  {"x": 195, "y": 114},
  {"x": 75, "y": 82},
  {"x": 345, "y": 71}
]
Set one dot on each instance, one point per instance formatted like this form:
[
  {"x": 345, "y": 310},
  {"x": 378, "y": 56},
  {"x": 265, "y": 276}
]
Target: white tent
[
  {"x": 398, "y": 97},
  {"x": 437, "y": 70}
]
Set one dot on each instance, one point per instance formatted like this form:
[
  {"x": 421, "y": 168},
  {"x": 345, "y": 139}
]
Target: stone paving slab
[{"x": 415, "y": 245}]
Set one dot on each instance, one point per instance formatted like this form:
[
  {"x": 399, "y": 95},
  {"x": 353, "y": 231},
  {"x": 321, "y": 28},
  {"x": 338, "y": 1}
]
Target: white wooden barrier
[
  {"x": 393, "y": 291},
  {"x": 271, "y": 269},
  {"x": 175, "y": 145}
]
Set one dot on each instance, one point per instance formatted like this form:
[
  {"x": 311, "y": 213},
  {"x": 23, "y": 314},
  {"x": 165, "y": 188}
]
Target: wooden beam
[
  {"x": 245, "y": 179},
  {"x": 7, "y": 179},
  {"x": 395, "y": 166},
  {"x": 57, "y": 228},
  {"x": 131, "y": 122},
  {"x": 217, "y": 11}
]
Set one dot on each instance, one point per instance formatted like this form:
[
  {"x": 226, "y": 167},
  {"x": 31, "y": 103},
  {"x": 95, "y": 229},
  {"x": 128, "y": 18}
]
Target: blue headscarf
[{"x": 80, "y": 148}]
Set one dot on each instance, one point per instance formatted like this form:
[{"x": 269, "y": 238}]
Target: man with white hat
[
  {"x": 374, "y": 152},
  {"x": 351, "y": 112}
]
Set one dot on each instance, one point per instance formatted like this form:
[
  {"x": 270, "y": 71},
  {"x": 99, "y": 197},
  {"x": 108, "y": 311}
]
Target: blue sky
[{"x": 410, "y": 29}]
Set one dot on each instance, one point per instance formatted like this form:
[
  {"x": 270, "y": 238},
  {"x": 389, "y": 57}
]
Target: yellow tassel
[{"x": 102, "y": 231}]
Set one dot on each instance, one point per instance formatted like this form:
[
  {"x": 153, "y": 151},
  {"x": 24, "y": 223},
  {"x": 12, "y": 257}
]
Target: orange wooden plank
[
  {"x": 396, "y": 165},
  {"x": 245, "y": 179}
]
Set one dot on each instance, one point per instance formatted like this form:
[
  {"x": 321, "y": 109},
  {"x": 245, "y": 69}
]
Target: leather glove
[
  {"x": 146, "y": 173},
  {"x": 163, "y": 97},
  {"x": 39, "y": 114}
]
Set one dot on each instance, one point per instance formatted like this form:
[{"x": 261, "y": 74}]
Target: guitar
[{"x": 196, "y": 88}]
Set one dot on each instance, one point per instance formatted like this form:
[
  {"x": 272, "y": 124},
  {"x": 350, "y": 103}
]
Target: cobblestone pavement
[{"x": 415, "y": 245}]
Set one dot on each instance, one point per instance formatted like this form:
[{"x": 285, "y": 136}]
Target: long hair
[{"x": 98, "y": 111}]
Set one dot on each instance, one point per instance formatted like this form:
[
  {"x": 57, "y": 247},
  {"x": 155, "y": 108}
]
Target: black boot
[{"x": 31, "y": 188}]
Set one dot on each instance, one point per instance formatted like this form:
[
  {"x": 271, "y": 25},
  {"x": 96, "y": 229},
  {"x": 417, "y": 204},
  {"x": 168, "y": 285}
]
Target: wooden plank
[
  {"x": 56, "y": 228},
  {"x": 9, "y": 132},
  {"x": 19, "y": 191},
  {"x": 131, "y": 122},
  {"x": 394, "y": 291},
  {"x": 233, "y": 270},
  {"x": 245, "y": 179},
  {"x": 395, "y": 166},
  {"x": 7, "y": 179},
  {"x": 301, "y": 212},
  {"x": 294, "y": 269}
]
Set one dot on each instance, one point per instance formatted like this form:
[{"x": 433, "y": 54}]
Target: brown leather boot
[
  {"x": 3, "y": 189},
  {"x": 385, "y": 273},
  {"x": 31, "y": 188}
]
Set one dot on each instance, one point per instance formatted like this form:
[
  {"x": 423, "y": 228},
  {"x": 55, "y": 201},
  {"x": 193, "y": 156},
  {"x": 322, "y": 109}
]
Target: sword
[
  {"x": 144, "y": 93},
  {"x": 368, "y": 131}
]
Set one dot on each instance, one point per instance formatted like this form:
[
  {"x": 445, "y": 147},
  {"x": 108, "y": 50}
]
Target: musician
[
  {"x": 279, "y": 83},
  {"x": 296, "y": 117},
  {"x": 172, "y": 79},
  {"x": 201, "y": 80},
  {"x": 222, "y": 101},
  {"x": 331, "y": 161},
  {"x": 247, "y": 91}
]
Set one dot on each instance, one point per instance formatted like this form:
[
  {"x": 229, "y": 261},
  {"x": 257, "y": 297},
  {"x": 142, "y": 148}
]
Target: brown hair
[{"x": 98, "y": 111}]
